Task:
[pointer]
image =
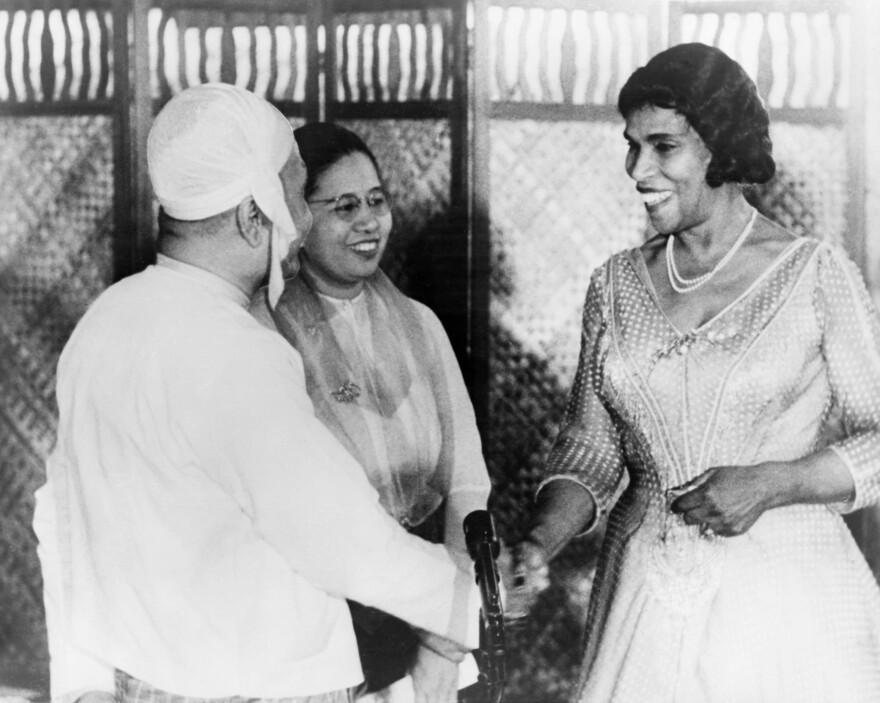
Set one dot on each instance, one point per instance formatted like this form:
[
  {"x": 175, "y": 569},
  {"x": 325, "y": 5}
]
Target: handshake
[
  {"x": 563, "y": 509},
  {"x": 524, "y": 573},
  {"x": 506, "y": 597},
  {"x": 511, "y": 578}
]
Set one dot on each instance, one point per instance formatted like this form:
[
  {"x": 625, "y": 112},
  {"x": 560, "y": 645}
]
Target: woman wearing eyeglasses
[{"x": 383, "y": 377}]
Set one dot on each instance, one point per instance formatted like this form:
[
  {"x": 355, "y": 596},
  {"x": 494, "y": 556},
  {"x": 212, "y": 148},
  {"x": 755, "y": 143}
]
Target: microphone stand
[{"x": 483, "y": 548}]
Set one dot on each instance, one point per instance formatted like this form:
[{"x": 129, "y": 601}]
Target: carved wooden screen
[
  {"x": 263, "y": 47},
  {"x": 547, "y": 78},
  {"x": 62, "y": 179}
]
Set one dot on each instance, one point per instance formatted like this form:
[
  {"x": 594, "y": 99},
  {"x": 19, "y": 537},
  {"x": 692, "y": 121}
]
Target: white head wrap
[{"x": 212, "y": 146}]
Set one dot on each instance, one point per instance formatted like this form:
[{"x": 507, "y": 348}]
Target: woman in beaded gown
[
  {"x": 383, "y": 377},
  {"x": 725, "y": 413}
]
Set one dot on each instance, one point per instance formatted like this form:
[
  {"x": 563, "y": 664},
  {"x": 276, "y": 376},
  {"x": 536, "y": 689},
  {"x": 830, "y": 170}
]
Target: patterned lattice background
[
  {"x": 55, "y": 257},
  {"x": 561, "y": 204},
  {"x": 808, "y": 194}
]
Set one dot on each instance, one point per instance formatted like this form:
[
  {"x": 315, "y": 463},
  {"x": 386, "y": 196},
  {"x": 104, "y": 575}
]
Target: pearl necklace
[{"x": 680, "y": 284}]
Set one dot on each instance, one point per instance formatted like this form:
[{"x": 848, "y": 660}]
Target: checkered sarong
[{"x": 132, "y": 690}]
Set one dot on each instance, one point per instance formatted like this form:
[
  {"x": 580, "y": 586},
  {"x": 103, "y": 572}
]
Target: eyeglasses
[{"x": 348, "y": 205}]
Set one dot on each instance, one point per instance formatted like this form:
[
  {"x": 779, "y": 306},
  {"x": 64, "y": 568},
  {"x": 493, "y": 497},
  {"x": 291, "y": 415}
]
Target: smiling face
[
  {"x": 668, "y": 161},
  {"x": 342, "y": 255}
]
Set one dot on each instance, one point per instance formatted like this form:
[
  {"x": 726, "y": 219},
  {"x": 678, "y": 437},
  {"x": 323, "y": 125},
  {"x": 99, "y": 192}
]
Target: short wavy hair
[
  {"x": 718, "y": 99},
  {"x": 322, "y": 144}
]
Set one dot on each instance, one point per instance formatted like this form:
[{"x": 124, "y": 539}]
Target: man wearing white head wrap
[
  {"x": 201, "y": 168},
  {"x": 199, "y": 527}
]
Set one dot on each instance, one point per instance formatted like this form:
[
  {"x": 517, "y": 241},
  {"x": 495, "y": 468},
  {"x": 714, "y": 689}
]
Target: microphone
[{"x": 483, "y": 548}]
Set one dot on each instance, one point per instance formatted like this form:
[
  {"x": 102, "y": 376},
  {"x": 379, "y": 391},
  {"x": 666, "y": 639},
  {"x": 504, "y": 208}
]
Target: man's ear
[{"x": 250, "y": 222}]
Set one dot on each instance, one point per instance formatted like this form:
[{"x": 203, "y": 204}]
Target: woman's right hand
[
  {"x": 563, "y": 509},
  {"x": 525, "y": 574}
]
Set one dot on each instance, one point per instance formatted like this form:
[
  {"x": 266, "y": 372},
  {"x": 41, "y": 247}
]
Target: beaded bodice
[
  {"x": 790, "y": 366},
  {"x": 653, "y": 406},
  {"x": 757, "y": 382}
]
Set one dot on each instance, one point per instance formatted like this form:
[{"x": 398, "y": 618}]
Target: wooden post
[
  {"x": 123, "y": 225},
  {"x": 315, "y": 67},
  {"x": 480, "y": 185},
  {"x": 142, "y": 120},
  {"x": 133, "y": 241}
]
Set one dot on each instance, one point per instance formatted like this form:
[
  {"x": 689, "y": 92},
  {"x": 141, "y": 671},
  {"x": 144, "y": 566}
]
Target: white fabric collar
[{"x": 216, "y": 284}]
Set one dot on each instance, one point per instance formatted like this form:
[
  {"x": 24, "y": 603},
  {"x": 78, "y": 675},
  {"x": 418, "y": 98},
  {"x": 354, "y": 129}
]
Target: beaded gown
[{"x": 788, "y": 611}]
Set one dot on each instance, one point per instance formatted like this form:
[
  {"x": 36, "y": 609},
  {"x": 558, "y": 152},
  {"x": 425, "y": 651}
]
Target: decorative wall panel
[
  {"x": 394, "y": 56},
  {"x": 561, "y": 204},
  {"x": 576, "y": 53},
  {"x": 262, "y": 51},
  {"x": 56, "y": 180},
  {"x": 56, "y": 55},
  {"x": 799, "y": 58},
  {"x": 809, "y": 195}
]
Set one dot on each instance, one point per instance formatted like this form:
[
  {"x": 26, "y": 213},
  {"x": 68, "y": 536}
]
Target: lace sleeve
[
  {"x": 851, "y": 347},
  {"x": 587, "y": 448}
]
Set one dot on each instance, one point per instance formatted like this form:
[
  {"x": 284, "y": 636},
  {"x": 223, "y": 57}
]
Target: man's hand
[
  {"x": 525, "y": 575},
  {"x": 435, "y": 678}
]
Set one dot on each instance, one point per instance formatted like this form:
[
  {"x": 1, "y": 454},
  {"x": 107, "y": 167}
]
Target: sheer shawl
[{"x": 377, "y": 381}]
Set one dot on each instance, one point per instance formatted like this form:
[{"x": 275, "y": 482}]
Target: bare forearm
[
  {"x": 822, "y": 477},
  {"x": 563, "y": 509}
]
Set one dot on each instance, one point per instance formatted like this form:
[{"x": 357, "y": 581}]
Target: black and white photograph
[{"x": 439, "y": 351}]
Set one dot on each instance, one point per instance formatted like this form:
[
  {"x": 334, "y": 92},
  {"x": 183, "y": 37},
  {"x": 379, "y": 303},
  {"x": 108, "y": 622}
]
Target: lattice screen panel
[
  {"x": 808, "y": 194},
  {"x": 561, "y": 204},
  {"x": 55, "y": 257},
  {"x": 414, "y": 156}
]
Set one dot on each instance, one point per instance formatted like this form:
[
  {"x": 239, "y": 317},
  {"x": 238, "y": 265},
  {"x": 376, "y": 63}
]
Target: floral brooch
[{"x": 348, "y": 392}]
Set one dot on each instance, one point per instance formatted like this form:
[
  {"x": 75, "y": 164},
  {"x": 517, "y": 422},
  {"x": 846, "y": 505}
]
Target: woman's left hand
[
  {"x": 435, "y": 678},
  {"x": 726, "y": 500}
]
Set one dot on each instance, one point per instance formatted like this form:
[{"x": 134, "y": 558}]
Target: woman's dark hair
[
  {"x": 322, "y": 144},
  {"x": 718, "y": 99}
]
